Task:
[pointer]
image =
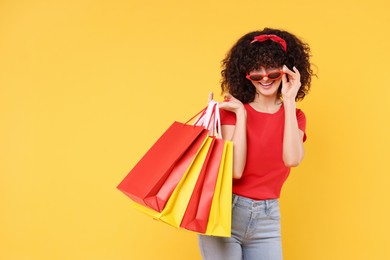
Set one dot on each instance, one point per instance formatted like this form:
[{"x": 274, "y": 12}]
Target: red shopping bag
[
  {"x": 197, "y": 213},
  {"x": 145, "y": 180},
  {"x": 159, "y": 201}
]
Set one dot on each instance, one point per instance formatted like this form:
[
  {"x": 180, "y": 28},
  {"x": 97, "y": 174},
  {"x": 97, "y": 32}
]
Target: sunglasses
[{"x": 258, "y": 77}]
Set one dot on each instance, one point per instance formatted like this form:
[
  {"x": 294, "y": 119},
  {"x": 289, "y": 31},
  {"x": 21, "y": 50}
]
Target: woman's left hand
[{"x": 291, "y": 87}]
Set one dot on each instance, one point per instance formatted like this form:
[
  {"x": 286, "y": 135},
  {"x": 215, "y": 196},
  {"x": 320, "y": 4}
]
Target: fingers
[
  {"x": 284, "y": 80},
  {"x": 211, "y": 96},
  {"x": 293, "y": 77},
  {"x": 230, "y": 103},
  {"x": 227, "y": 105},
  {"x": 286, "y": 70},
  {"x": 227, "y": 97}
]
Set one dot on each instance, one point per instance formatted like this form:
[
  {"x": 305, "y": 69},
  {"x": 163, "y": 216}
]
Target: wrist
[
  {"x": 289, "y": 102},
  {"x": 241, "y": 112}
]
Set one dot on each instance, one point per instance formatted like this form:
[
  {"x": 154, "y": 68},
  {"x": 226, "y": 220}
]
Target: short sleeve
[
  {"x": 301, "y": 118},
  {"x": 227, "y": 117}
]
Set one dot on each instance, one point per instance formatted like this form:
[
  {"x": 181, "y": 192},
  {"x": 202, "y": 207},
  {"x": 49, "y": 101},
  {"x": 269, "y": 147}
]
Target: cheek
[{"x": 255, "y": 83}]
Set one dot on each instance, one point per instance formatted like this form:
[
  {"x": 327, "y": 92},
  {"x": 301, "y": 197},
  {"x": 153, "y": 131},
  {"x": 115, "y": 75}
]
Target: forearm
[
  {"x": 239, "y": 144},
  {"x": 236, "y": 133},
  {"x": 292, "y": 140}
]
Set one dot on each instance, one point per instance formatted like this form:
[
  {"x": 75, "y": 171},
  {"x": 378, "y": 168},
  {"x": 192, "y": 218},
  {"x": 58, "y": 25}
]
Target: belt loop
[
  {"x": 266, "y": 207},
  {"x": 235, "y": 198}
]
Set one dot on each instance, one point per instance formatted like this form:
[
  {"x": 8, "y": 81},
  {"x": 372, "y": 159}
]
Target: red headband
[{"x": 272, "y": 37}]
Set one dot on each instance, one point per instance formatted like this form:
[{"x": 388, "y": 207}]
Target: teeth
[{"x": 266, "y": 84}]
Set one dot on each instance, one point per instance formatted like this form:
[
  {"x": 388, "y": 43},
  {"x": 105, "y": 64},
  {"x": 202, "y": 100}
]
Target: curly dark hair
[{"x": 245, "y": 57}]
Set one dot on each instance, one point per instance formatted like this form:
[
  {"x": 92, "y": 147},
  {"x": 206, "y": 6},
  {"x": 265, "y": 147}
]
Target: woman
[{"x": 263, "y": 76}]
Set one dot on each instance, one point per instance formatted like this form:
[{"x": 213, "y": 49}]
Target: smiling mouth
[{"x": 266, "y": 84}]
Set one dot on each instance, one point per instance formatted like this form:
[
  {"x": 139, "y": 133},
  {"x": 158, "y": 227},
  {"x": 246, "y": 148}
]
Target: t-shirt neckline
[{"x": 265, "y": 113}]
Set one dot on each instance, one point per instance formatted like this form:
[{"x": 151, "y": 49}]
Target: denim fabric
[{"x": 255, "y": 233}]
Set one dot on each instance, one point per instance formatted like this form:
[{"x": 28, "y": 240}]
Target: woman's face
[{"x": 266, "y": 80}]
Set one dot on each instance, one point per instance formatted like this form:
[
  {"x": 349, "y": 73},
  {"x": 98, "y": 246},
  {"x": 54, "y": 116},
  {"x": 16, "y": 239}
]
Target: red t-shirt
[{"x": 264, "y": 172}]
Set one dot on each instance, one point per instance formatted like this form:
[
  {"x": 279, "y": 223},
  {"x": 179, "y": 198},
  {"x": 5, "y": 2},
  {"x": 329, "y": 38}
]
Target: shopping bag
[
  {"x": 220, "y": 218},
  {"x": 197, "y": 213},
  {"x": 177, "y": 204},
  {"x": 147, "y": 177},
  {"x": 158, "y": 201},
  {"x": 174, "y": 210},
  {"x": 197, "y": 189},
  {"x": 209, "y": 210}
]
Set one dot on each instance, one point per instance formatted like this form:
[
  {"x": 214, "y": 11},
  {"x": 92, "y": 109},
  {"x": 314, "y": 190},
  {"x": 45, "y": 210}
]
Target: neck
[{"x": 267, "y": 104}]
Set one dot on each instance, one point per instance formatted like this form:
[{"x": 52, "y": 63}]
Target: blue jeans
[{"x": 255, "y": 233}]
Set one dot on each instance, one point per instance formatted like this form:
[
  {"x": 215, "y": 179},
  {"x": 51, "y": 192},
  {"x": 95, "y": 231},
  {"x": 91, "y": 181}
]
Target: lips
[{"x": 266, "y": 85}]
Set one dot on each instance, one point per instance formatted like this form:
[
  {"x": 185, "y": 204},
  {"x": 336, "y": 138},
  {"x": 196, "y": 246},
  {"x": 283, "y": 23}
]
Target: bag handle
[
  {"x": 201, "y": 118},
  {"x": 205, "y": 117},
  {"x": 217, "y": 122},
  {"x": 197, "y": 114},
  {"x": 210, "y": 119}
]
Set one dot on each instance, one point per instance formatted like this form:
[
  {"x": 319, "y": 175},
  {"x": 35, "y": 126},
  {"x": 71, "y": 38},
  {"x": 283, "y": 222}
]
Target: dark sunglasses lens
[
  {"x": 256, "y": 77},
  {"x": 274, "y": 75}
]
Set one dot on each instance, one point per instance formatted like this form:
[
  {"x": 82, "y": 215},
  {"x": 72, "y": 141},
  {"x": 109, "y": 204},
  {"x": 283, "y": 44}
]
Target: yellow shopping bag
[{"x": 220, "y": 218}]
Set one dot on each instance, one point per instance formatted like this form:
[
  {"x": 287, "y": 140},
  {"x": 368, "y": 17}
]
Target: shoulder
[
  {"x": 227, "y": 117},
  {"x": 300, "y": 113}
]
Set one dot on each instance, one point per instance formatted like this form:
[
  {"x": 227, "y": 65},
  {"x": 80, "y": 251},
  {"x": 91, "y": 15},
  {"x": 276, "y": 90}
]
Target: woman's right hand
[{"x": 232, "y": 104}]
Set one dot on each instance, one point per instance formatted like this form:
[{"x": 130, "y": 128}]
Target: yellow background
[{"x": 86, "y": 87}]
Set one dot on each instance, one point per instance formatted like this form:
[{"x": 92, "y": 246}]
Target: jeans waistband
[{"x": 251, "y": 203}]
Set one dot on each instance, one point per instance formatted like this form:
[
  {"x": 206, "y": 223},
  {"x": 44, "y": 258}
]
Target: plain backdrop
[{"x": 87, "y": 86}]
